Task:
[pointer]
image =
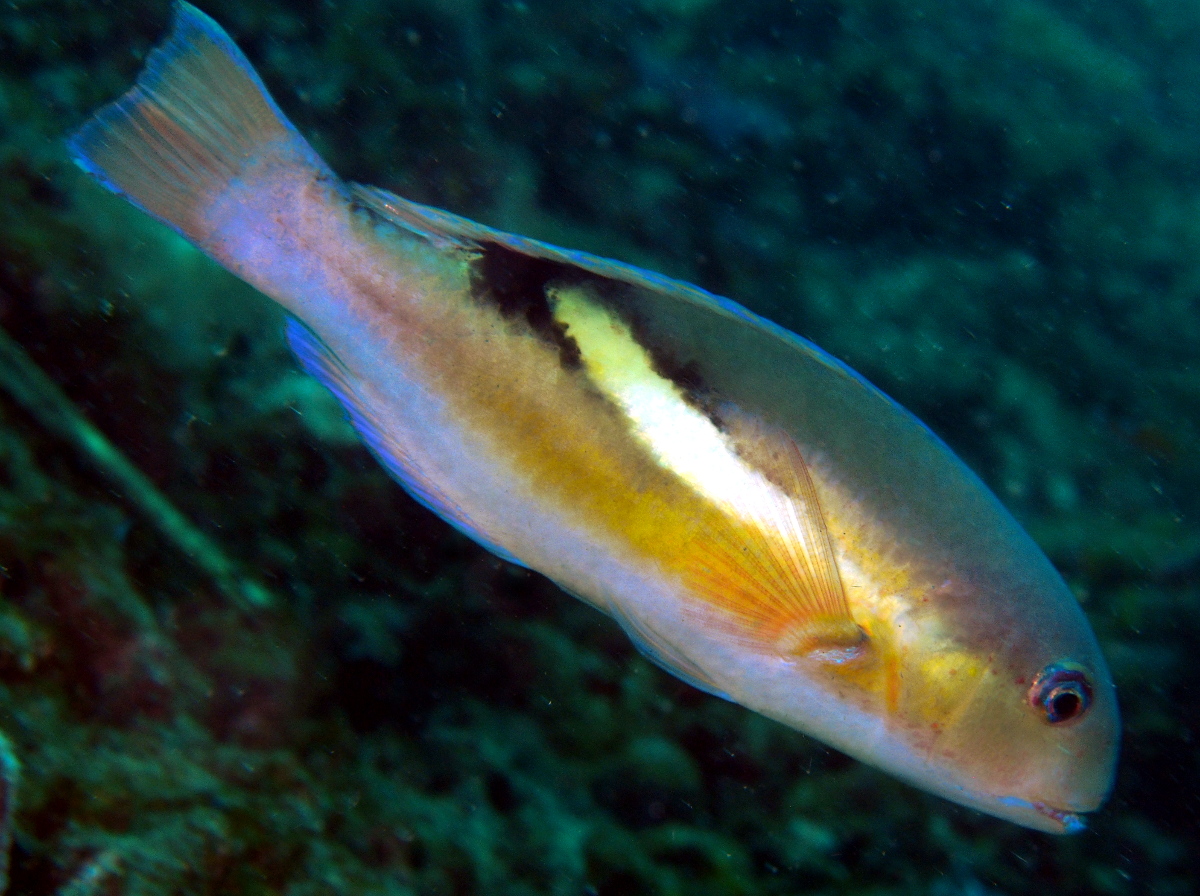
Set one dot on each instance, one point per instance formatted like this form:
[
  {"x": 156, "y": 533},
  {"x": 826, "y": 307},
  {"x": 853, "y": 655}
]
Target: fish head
[
  {"x": 935, "y": 640},
  {"x": 1041, "y": 747},
  {"x": 1002, "y": 702},
  {"x": 1038, "y": 731}
]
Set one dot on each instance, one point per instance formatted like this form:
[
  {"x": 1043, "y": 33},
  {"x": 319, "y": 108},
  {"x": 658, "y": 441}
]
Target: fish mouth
[
  {"x": 1064, "y": 821},
  {"x": 1072, "y": 822}
]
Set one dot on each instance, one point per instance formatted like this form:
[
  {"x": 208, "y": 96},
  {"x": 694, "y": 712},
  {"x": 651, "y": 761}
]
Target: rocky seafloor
[{"x": 991, "y": 209}]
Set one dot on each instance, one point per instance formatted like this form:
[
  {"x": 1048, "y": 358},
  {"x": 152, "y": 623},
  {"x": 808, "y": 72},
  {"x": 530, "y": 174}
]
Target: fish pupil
[
  {"x": 1065, "y": 705},
  {"x": 1062, "y": 692}
]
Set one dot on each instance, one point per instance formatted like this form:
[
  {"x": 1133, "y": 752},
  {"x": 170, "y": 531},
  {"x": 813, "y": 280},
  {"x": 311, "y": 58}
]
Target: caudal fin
[{"x": 197, "y": 119}]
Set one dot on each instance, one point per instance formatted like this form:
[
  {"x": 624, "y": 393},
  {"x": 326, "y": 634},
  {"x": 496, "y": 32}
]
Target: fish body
[{"x": 762, "y": 521}]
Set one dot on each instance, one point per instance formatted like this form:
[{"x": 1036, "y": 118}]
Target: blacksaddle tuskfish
[{"x": 763, "y": 522}]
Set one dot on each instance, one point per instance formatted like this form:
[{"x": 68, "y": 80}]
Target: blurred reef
[{"x": 990, "y": 208}]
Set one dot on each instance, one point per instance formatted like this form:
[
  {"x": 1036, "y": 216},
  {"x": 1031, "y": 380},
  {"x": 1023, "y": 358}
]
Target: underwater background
[{"x": 256, "y": 666}]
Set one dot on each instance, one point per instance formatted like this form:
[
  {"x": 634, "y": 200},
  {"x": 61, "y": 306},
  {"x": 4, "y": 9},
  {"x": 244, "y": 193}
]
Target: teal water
[{"x": 987, "y": 208}]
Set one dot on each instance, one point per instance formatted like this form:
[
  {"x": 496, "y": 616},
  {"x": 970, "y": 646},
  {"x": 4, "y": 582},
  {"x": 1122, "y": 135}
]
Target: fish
[{"x": 760, "y": 520}]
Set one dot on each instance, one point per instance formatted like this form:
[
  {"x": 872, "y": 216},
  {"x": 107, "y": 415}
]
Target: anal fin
[{"x": 319, "y": 361}]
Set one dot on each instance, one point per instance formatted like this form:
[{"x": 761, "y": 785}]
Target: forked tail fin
[{"x": 197, "y": 120}]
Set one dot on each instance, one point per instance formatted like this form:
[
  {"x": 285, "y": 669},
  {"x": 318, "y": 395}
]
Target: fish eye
[{"x": 1061, "y": 692}]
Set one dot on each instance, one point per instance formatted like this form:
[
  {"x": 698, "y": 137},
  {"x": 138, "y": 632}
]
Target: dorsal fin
[{"x": 424, "y": 222}]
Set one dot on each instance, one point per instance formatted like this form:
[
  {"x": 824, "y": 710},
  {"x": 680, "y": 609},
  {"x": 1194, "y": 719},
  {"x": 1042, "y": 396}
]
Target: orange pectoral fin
[{"x": 768, "y": 567}]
